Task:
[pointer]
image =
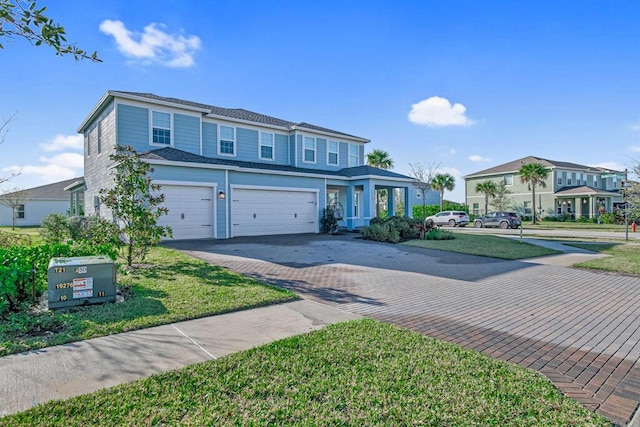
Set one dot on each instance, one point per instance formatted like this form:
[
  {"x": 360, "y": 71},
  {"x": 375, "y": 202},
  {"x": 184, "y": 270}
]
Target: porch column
[
  {"x": 368, "y": 203},
  {"x": 71, "y": 197},
  {"x": 391, "y": 202},
  {"x": 408, "y": 209},
  {"x": 349, "y": 208}
]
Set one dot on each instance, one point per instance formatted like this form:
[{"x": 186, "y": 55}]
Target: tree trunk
[{"x": 533, "y": 203}]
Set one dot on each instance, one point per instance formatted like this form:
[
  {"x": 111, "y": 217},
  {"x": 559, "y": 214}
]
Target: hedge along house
[
  {"x": 232, "y": 172},
  {"x": 572, "y": 189}
]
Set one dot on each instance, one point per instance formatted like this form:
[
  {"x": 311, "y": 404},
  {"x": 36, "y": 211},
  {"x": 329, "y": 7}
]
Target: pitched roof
[
  {"x": 515, "y": 165},
  {"x": 584, "y": 190},
  {"x": 49, "y": 191},
  {"x": 237, "y": 113},
  {"x": 175, "y": 155}
]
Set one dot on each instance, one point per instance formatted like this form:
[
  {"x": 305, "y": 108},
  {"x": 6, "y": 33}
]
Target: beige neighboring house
[
  {"x": 577, "y": 190},
  {"x": 38, "y": 203}
]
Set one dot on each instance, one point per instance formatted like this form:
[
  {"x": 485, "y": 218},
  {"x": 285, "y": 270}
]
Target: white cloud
[
  {"x": 452, "y": 151},
  {"x": 63, "y": 142},
  {"x": 153, "y": 45},
  {"x": 478, "y": 158},
  {"x": 635, "y": 148},
  {"x": 610, "y": 165},
  {"x": 52, "y": 169},
  {"x": 437, "y": 111}
]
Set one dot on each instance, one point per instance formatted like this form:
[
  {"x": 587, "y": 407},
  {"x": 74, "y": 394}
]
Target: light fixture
[{"x": 221, "y": 195}]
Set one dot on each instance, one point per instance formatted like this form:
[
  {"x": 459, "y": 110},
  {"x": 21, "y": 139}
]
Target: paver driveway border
[{"x": 579, "y": 328}]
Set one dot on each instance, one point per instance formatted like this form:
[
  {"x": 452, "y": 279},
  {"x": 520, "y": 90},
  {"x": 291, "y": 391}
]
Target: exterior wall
[
  {"x": 97, "y": 174},
  {"x": 186, "y": 133},
  {"x": 34, "y": 212},
  {"x": 209, "y": 139},
  {"x": 133, "y": 127}
]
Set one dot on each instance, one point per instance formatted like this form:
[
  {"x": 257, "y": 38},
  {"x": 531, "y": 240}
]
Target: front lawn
[
  {"x": 485, "y": 245},
  {"x": 357, "y": 373},
  {"x": 170, "y": 288},
  {"x": 625, "y": 257}
]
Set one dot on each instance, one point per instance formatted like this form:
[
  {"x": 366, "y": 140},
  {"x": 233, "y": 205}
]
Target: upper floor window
[
  {"x": 559, "y": 180},
  {"x": 266, "y": 146},
  {"x": 309, "y": 150},
  {"x": 227, "y": 140},
  {"x": 508, "y": 179},
  {"x": 332, "y": 153},
  {"x": 354, "y": 155},
  {"x": 595, "y": 183},
  {"x": 569, "y": 181},
  {"x": 87, "y": 142},
  {"x": 160, "y": 128},
  {"x": 20, "y": 211}
]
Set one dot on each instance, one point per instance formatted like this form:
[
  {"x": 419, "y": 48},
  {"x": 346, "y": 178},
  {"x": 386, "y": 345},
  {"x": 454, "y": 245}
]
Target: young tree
[
  {"x": 13, "y": 199},
  {"x": 533, "y": 174},
  {"x": 489, "y": 189},
  {"x": 441, "y": 182},
  {"x": 134, "y": 204},
  {"x": 423, "y": 175},
  {"x": 24, "y": 18},
  {"x": 501, "y": 201}
]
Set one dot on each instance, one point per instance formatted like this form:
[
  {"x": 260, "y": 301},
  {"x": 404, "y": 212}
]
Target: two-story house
[
  {"x": 578, "y": 190},
  {"x": 229, "y": 172}
]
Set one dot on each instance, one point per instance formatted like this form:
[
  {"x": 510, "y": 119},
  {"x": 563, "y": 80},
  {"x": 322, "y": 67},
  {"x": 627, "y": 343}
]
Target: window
[
  {"x": 227, "y": 140},
  {"x": 527, "y": 208},
  {"x": 354, "y": 155},
  {"x": 266, "y": 146},
  {"x": 20, "y": 212},
  {"x": 99, "y": 137},
  {"x": 160, "y": 128},
  {"x": 87, "y": 142},
  {"x": 476, "y": 209},
  {"x": 568, "y": 181},
  {"x": 508, "y": 179},
  {"x": 559, "y": 180},
  {"x": 595, "y": 183},
  {"x": 309, "y": 150},
  {"x": 357, "y": 198},
  {"x": 332, "y": 153}
]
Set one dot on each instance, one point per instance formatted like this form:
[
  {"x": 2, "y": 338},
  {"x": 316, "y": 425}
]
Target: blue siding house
[{"x": 228, "y": 172}]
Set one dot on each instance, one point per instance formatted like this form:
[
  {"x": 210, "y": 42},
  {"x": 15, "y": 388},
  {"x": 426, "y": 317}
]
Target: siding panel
[
  {"x": 209, "y": 139},
  {"x": 133, "y": 127},
  {"x": 187, "y": 133}
]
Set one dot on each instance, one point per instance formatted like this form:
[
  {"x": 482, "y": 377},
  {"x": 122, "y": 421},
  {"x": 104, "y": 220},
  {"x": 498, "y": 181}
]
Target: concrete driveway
[{"x": 581, "y": 329}]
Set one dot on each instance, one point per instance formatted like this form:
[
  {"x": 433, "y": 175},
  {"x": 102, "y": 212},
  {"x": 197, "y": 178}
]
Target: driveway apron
[{"x": 579, "y": 328}]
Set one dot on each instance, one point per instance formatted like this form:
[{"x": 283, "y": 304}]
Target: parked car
[
  {"x": 498, "y": 219},
  {"x": 450, "y": 218}
]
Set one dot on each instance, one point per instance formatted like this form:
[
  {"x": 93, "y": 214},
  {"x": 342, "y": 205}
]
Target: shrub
[
  {"x": 439, "y": 234},
  {"x": 54, "y": 229},
  {"x": 420, "y": 213},
  {"x": 393, "y": 229},
  {"x": 328, "y": 221},
  {"x": 12, "y": 239}
]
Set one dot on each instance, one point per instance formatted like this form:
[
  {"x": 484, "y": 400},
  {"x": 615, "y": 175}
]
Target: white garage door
[
  {"x": 256, "y": 212},
  {"x": 190, "y": 211}
]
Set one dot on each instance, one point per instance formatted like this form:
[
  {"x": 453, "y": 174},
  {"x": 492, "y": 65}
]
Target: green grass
[
  {"x": 173, "y": 287},
  {"x": 625, "y": 257},
  {"x": 357, "y": 373},
  {"x": 557, "y": 225},
  {"x": 485, "y": 245}
]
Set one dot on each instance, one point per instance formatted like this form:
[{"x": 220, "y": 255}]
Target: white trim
[
  {"x": 349, "y": 155},
  {"x": 171, "y": 128},
  {"x": 226, "y": 121},
  {"x": 273, "y": 146},
  {"x": 335, "y": 135},
  {"x": 337, "y": 152},
  {"x": 227, "y": 205},
  {"x": 185, "y": 183},
  {"x": 304, "y": 149},
  {"x": 235, "y": 142},
  {"x": 99, "y": 137}
]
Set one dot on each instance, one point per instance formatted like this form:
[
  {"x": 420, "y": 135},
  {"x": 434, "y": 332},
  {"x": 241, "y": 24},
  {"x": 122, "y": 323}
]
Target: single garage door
[
  {"x": 190, "y": 211},
  {"x": 256, "y": 212}
]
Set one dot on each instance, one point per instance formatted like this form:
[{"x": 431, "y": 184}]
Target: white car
[{"x": 450, "y": 218}]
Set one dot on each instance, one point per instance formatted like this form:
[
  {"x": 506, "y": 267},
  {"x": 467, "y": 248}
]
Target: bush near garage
[{"x": 393, "y": 229}]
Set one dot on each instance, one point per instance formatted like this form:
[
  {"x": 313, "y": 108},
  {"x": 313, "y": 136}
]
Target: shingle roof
[
  {"x": 239, "y": 114},
  {"x": 515, "y": 165},
  {"x": 50, "y": 191},
  {"x": 583, "y": 189},
  {"x": 175, "y": 155}
]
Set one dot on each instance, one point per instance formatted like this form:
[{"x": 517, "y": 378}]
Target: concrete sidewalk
[{"x": 69, "y": 370}]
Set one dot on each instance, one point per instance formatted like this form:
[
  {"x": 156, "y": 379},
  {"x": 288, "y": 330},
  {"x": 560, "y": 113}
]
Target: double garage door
[
  {"x": 256, "y": 212},
  {"x": 191, "y": 214}
]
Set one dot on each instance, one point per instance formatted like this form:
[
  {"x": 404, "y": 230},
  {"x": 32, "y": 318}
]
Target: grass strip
[
  {"x": 625, "y": 257},
  {"x": 171, "y": 287},
  {"x": 485, "y": 245},
  {"x": 357, "y": 373}
]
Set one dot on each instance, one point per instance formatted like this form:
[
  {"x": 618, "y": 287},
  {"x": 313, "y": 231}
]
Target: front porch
[{"x": 585, "y": 202}]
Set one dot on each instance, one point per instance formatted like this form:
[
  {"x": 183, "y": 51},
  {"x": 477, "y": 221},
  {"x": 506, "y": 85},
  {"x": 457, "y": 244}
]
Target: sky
[{"x": 461, "y": 85}]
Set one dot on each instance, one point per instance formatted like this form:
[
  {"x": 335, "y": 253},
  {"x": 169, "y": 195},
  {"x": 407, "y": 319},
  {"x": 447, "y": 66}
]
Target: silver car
[{"x": 450, "y": 218}]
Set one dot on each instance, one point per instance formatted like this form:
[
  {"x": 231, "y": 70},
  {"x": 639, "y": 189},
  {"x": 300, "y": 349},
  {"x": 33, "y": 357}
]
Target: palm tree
[
  {"x": 533, "y": 174},
  {"x": 489, "y": 189},
  {"x": 441, "y": 182},
  {"x": 379, "y": 159}
]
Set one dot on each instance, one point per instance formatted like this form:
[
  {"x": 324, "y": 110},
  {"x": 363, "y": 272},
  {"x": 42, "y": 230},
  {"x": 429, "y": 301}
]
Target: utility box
[{"x": 81, "y": 280}]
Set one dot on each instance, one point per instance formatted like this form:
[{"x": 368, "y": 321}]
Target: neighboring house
[
  {"x": 38, "y": 203},
  {"x": 578, "y": 190},
  {"x": 232, "y": 172}
]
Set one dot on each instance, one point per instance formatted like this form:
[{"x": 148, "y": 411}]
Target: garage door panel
[
  {"x": 263, "y": 212},
  {"x": 190, "y": 211}
]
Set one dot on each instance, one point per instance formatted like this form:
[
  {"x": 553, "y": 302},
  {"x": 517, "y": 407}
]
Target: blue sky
[{"x": 464, "y": 84}]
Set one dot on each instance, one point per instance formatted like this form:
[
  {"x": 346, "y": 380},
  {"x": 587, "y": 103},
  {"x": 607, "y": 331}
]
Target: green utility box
[{"x": 81, "y": 280}]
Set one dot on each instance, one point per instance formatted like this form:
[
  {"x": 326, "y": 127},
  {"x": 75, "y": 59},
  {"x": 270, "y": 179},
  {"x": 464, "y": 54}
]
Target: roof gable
[
  {"x": 515, "y": 165},
  {"x": 55, "y": 190}
]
